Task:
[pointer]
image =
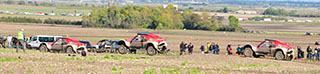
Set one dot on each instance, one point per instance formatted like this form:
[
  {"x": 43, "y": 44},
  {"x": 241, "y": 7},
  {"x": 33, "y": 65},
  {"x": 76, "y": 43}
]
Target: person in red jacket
[{"x": 229, "y": 49}]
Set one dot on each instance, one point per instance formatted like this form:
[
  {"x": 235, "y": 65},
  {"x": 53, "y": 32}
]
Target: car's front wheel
[
  {"x": 248, "y": 52},
  {"x": 43, "y": 48},
  {"x": 122, "y": 49},
  {"x": 69, "y": 50},
  {"x": 279, "y": 55},
  {"x": 151, "y": 50}
]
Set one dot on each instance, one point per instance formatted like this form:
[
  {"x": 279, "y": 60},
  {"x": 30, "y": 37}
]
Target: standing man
[
  {"x": 316, "y": 53},
  {"x": 211, "y": 49},
  {"x": 300, "y": 52},
  {"x": 21, "y": 41},
  {"x": 190, "y": 48},
  {"x": 208, "y": 47},
  {"x": 217, "y": 48},
  {"x": 3, "y": 41},
  {"x": 182, "y": 47},
  {"x": 309, "y": 52},
  {"x": 9, "y": 38}
]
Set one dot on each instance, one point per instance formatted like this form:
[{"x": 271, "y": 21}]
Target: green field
[
  {"x": 27, "y": 8},
  {"x": 43, "y": 17}
]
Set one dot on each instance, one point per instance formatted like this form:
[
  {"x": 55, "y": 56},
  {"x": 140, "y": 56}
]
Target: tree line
[
  {"x": 282, "y": 12},
  {"x": 156, "y": 18}
]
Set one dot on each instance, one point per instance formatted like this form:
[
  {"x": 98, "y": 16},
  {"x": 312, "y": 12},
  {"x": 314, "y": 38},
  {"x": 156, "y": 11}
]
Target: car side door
[
  {"x": 57, "y": 45},
  {"x": 34, "y": 42},
  {"x": 264, "y": 47},
  {"x": 137, "y": 42}
]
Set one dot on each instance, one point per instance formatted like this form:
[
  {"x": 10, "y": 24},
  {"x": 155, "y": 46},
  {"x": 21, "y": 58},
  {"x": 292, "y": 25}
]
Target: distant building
[
  {"x": 246, "y": 12},
  {"x": 290, "y": 20},
  {"x": 281, "y": 20},
  {"x": 240, "y": 19},
  {"x": 309, "y": 21},
  {"x": 267, "y": 19},
  {"x": 300, "y": 21}
]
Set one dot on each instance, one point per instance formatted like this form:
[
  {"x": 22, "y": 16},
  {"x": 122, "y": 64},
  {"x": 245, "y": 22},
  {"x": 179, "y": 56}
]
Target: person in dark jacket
[
  {"x": 3, "y": 41},
  {"x": 202, "y": 49},
  {"x": 239, "y": 50},
  {"x": 229, "y": 49},
  {"x": 182, "y": 48},
  {"x": 300, "y": 52},
  {"x": 212, "y": 48},
  {"x": 217, "y": 48},
  {"x": 316, "y": 53},
  {"x": 190, "y": 48},
  {"x": 309, "y": 52}
]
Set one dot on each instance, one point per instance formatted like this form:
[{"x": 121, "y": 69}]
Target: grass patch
[
  {"x": 11, "y": 60},
  {"x": 121, "y": 68},
  {"x": 123, "y": 57},
  {"x": 50, "y": 67},
  {"x": 248, "y": 66},
  {"x": 114, "y": 69},
  {"x": 184, "y": 63},
  {"x": 30, "y": 69},
  {"x": 170, "y": 54},
  {"x": 10, "y": 73},
  {"x": 172, "y": 71},
  {"x": 277, "y": 65},
  {"x": 80, "y": 69},
  {"x": 81, "y": 59},
  {"x": 150, "y": 71}
]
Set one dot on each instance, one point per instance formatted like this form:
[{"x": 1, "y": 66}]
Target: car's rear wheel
[
  {"x": 279, "y": 55},
  {"x": 248, "y": 52},
  {"x": 151, "y": 50},
  {"x": 69, "y": 50},
  {"x": 43, "y": 48},
  {"x": 122, "y": 49},
  {"x": 290, "y": 58}
]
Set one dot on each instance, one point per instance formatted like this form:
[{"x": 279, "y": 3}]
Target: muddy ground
[{"x": 35, "y": 62}]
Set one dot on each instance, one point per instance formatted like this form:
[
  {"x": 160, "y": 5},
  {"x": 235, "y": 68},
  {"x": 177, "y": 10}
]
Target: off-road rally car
[
  {"x": 152, "y": 43},
  {"x": 105, "y": 45},
  {"x": 37, "y": 40},
  {"x": 275, "y": 48},
  {"x": 67, "y": 45}
]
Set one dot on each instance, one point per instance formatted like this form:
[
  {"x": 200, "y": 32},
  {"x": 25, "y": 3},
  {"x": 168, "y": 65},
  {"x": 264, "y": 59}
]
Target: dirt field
[
  {"x": 282, "y": 27},
  {"x": 101, "y": 63}
]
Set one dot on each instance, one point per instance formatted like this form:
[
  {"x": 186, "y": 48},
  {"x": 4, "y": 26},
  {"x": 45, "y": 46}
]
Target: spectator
[
  {"x": 208, "y": 47},
  {"x": 316, "y": 49},
  {"x": 217, "y": 48},
  {"x": 182, "y": 47},
  {"x": 3, "y": 41},
  {"x": 21, "y": 38},
  {"x": 190, "y": 48},
  {"x": 211, "y": 48},
  {"x": 229, "y": 49},
  {"x": 202, "y": 49},
  {"x": 185, "y": 48},
  {"x": 309, "y": 52},
  {"x": 300, "y": 52},
  {"x": 239, "y": 50},
  {"x": 9, "y": 39}
]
